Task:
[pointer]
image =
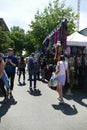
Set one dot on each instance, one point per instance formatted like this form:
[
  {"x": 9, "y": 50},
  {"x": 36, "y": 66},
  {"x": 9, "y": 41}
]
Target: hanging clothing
[
  {"x": 63, "y": 33},
  {"x": 56, "y": 37}
]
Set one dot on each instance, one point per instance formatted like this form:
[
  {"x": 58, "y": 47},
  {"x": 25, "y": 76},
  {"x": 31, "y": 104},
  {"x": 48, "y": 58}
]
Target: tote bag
[{"x": 53, "y": 81}]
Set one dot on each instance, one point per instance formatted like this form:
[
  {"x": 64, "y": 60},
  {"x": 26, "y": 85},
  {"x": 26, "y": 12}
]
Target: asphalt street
[{"x": 40, "y": 110}]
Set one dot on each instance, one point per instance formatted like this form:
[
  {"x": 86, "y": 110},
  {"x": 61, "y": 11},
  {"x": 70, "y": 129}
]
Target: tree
[
  {"x": 50, "y": 19},
  {"x": 5, "y": 40},
  {"x": 28, "y": 45},
  {"x": 18, "y": 36}
]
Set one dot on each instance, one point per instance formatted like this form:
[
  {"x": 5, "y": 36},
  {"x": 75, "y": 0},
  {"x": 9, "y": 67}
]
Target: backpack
[
  {"x": 30, "y": 63},
  {"x": 33, "y": 64},
  {"x": 36, "y": 64}
]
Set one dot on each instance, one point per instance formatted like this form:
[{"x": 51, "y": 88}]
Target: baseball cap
[{"x": 10, "y": 49}]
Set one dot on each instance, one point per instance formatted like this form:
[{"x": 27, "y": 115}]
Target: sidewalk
[{"x": 41, "y": 110}]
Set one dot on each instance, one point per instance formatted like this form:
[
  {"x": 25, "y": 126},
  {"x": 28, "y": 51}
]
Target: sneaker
[
  {"x": 4, "y": 100},
  {"x": 59, "y": 98},
  {"x": 61, "y": 101},
  {"x": 24, "y": 83},
  {"x": 19, "y": 83},
  {"x": 31, "y": 89},
  {"x": 35, "y": 89},
  {"x": 10, "y": 95}
]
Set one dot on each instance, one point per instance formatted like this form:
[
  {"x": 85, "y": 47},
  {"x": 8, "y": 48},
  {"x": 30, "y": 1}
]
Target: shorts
[{"x": 61, "y": 79}]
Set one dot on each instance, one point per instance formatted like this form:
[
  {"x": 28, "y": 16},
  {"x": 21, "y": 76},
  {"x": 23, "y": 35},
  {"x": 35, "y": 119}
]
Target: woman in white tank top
[{"x": 61, "y": 68}]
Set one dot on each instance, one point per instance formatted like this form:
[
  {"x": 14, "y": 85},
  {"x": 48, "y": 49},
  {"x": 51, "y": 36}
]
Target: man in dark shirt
[
  {"x": 10, "y": 68},
  {"x": 32, "y": 70}
]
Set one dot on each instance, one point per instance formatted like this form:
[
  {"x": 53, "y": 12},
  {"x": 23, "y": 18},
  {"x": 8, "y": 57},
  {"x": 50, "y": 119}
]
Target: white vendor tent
[{"x": 76, "y": 39}]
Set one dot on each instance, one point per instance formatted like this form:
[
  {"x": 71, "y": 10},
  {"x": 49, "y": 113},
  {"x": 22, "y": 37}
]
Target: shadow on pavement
[
  {"x": 66, "y": 108},
  {"x": 37, "y": 92},
  {"x": 78, "y": 96},
  {"x": 6, "y": 106}
]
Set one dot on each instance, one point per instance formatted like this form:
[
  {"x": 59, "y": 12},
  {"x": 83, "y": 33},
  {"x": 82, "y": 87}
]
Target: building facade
[{"x": 3, "y": 25}]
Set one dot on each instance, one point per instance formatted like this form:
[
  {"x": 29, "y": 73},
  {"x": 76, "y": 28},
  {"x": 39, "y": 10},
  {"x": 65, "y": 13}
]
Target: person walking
[
  {"x": 3, "y": 79},
  {"x": 11, "y": 62},
  {"x": 3, "y": 74},
  {"x": 61, "y": 70},
  {"x": 21, "y": 69},
  {"x": 32, "y": 70}
]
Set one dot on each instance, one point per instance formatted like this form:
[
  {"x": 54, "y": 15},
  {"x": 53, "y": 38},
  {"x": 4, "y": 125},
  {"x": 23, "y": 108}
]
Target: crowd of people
[{"x": 38, "y": 68}]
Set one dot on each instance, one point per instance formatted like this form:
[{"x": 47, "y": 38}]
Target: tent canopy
[{"x": 76, "y": 39}]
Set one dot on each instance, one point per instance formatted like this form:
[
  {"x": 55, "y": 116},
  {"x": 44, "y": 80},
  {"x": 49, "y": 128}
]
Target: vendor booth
[
  {"x": 54, "y": 44},
  {"x": 78, "y": 58},
  {"x": 77, "y": 39}
]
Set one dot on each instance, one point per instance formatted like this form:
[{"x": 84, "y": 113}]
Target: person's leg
[
  {"x": 61, "y": 83},
  {"x": 35, "y": 75},
  {"x": 3, "y": 90},
  {"x": 38, "y": 75},
  {"x": 59, "y": 90},
  {"x": 11, "y": 77},
  {"x": 24, "y": 76},
  {"x": 19, "y": 76},
  {"x": 6, "y": 83},
  {"x": 30, "y": 79},
  {"x": 43, "y": 74},
  {"x": 5, "y": 80}
]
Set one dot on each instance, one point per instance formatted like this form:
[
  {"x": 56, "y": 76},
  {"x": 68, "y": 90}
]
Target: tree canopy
[
  {"x": 5, "y": 40},
  {"x": 42, "y": 25},
  {"x": 50, "y": 19},
  {"x": 18, "y": 36}
]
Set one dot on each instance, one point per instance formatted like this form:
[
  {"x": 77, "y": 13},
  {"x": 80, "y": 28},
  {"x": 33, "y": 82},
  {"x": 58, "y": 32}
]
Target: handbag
[{"x": 53, "y": 82}]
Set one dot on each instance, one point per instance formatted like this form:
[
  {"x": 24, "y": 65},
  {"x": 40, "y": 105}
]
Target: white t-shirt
[{"x": 63, "y": 67}]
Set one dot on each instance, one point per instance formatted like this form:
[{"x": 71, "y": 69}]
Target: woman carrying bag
[{"x": 61, "y": 70}]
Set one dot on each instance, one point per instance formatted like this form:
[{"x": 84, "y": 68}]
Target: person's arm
[
  {"x": 57, "y": 68},
  {"x": 12, "y": 63},
  {"x": 2, "y": 65}
]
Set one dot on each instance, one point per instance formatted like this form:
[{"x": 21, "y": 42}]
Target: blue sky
[{"x": 21, "y": 12}]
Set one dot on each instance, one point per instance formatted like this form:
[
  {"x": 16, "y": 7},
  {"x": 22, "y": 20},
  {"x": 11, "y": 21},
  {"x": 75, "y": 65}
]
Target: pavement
[{"x": 41, "y": 110}]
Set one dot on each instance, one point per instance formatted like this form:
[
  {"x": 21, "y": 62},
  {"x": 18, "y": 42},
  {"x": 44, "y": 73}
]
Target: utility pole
[{"x": 78, "y": 11}]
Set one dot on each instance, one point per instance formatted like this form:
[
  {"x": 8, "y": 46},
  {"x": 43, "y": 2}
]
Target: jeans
[
  {"x": 22, "y": 71},
  {"x": 11, "y": 77},
  {"x": 32, "y": 77},
  {"x": 5, "y": 80}
]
